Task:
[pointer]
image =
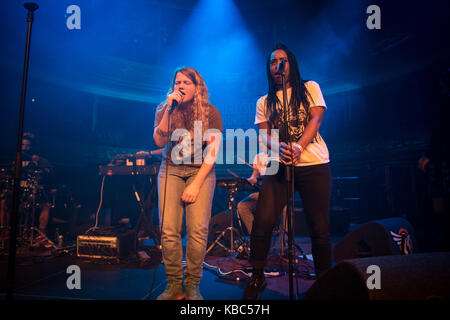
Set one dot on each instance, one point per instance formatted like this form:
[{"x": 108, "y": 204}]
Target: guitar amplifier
[{"x": 101, "y": 246}]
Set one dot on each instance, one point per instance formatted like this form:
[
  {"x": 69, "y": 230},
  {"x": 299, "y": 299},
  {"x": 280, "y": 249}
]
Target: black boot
[{"x": 255, "y": 286}]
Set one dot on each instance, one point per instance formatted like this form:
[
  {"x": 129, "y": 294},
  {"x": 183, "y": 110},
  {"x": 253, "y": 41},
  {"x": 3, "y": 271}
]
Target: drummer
[
  {"x": 31, "y": 160},
  {"x": 246, "y": 207},
  {"x": 33, "y": 164}
]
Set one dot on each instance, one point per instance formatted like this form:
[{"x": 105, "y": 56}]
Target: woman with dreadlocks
[
  {"x": 189, "y": 127},
  {"x": 309, "y": 152}
]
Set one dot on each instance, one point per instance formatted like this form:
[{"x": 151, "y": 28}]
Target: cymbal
[
  {"x": 240, "y": 184},
  {"x": 344, "y": 178}
]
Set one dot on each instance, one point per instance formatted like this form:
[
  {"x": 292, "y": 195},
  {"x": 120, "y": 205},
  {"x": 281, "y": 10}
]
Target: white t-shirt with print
[{"x": 315, "y": 152}]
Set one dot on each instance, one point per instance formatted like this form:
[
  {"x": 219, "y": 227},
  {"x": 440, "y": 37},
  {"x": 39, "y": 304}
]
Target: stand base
[{"x": 231, "y": 249}]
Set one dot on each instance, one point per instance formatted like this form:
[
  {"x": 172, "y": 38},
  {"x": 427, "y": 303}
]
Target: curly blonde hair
[{"x": 200, "y": 105}]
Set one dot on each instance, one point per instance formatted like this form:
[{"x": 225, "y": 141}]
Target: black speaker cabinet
[
  {"x": 393, "y": 236},
  {"x": 401, "y": 277}
]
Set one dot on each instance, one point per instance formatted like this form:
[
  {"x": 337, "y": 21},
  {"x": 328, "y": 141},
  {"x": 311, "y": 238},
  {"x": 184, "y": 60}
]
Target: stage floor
[{"x": 45, "y": 278}]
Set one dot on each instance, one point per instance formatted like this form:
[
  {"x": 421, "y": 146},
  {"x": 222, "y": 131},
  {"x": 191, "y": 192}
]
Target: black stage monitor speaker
[
  {"x": 402, "y": 277},
  {"x": 393, "y": 236}
]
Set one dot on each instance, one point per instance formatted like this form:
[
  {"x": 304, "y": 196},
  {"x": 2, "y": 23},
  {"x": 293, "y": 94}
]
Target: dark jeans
[{"x": 314, "y": 185}]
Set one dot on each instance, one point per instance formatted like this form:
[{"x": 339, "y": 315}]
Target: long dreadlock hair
[{"x": 299, "y": 93}]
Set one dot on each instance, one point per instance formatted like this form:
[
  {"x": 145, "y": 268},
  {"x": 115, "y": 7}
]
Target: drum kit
[
  {"x": 33, "y": 193},
  {"x": 232, "y": 186},
  {"x": 231, "y": 239},
  {"x": 240, "y": 244}
]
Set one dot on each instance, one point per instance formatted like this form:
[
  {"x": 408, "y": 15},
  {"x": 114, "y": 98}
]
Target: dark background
[{"x": 92, "y": 92}]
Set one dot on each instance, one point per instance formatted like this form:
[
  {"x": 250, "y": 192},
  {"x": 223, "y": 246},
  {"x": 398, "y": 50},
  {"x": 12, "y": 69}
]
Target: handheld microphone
[
  {"x": 172, "y": 106},
  {"x": 281, "y": 66},
  {"x": 174, "y": 103}
]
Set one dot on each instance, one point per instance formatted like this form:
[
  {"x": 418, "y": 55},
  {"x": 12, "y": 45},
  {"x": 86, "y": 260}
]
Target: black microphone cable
[{"x": 169, "y": 143}]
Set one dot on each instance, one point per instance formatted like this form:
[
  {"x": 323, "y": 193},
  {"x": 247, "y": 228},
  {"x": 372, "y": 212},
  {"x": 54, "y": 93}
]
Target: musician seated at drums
[
  {"x": 32, "y": 166},
  {"x": 33, "y": 162},
  {"x": 185, "y": 181},
  {"x": 246, "y": 207}
]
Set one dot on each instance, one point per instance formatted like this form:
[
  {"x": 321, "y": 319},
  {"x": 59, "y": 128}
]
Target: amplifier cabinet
[{"x": 106, "y": 247}]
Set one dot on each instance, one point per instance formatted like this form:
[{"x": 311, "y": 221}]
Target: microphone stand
[
  {"x": 31, "y": 7},
  {"x": 289, "y": 174}
]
